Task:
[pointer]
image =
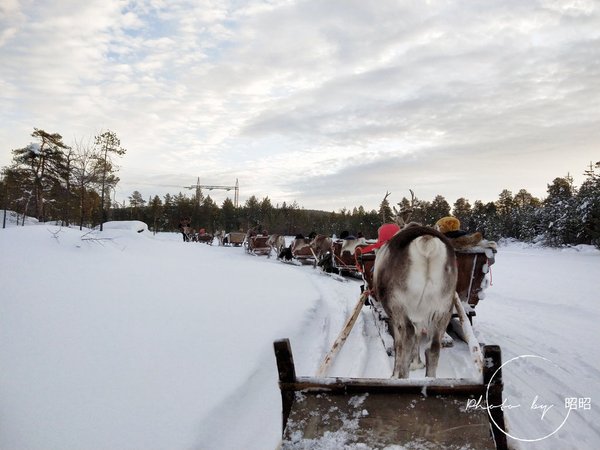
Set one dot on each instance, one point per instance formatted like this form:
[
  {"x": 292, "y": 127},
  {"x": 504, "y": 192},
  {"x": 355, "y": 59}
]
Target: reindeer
[
  {"x": 415, "y": 280},
  {"x": 277, "y": 243},
  {"x": 321, "y": 245},
  {"x": 220, "y": 235}
]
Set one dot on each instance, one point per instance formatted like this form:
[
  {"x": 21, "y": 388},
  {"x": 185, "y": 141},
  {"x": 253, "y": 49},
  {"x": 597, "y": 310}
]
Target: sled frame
[{"x": 305, "y": 400}]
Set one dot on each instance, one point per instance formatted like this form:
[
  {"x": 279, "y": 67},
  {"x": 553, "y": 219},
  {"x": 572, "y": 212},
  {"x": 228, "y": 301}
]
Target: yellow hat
[{"x": 446, "y": 224}]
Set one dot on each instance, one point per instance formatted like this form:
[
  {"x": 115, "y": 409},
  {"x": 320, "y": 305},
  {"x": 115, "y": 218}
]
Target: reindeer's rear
[{"x": 415, "y": 280}]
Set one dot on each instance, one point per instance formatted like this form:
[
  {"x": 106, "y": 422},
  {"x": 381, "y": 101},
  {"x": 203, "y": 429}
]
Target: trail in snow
[
  {"x": 548, "y": 309},
  {"x": 542, "y": 322}
]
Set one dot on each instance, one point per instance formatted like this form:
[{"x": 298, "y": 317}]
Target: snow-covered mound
[
  {"x": 10, "y": 218},
  {"x": 131, "y": 225}
]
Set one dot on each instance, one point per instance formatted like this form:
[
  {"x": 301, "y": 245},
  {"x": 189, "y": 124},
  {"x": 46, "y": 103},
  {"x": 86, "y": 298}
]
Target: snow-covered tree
[
  {"x": 559, "y": 217},
  {"x": 462, "y": 211},
  {"x": 588, "y": 206}
]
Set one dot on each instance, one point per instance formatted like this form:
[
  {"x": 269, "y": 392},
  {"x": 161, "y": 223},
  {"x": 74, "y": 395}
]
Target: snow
[{"x": 126, "y": 340}]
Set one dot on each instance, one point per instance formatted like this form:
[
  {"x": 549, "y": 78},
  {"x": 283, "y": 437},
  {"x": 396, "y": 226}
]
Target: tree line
[{"x": 52, "y": 181}]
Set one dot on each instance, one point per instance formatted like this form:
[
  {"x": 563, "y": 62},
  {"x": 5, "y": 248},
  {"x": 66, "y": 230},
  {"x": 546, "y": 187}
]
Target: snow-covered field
[{"x": 125, "y": 340}]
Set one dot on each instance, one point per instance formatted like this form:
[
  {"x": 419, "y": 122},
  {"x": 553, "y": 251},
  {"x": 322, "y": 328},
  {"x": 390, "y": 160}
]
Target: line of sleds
[{"x": 461, "y": 412}]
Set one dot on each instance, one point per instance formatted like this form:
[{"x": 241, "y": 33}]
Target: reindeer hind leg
[
  {"x": 416, "y": 362},
  {"x": 432, "y": 353},
  {"x": 405, "y": 339}
]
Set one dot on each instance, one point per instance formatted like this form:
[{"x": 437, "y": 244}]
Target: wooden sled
[
  {"x": 304, "y": 254},
  {"x": 234, "y": 238},
  {"x": 257, "y": 245},
  {"x": 473, "y": 269},
  {"x": 205, "y": 238},
  {"x": 343, "y": 263},
  {"x": 378, "y": 413},
  {"x": 473, "y": 266}
]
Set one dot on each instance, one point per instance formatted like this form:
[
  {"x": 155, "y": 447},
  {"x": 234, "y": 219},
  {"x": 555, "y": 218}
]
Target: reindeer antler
[
  {"x": 383, "y": 218},
  {"x": 402, "y": 215}
]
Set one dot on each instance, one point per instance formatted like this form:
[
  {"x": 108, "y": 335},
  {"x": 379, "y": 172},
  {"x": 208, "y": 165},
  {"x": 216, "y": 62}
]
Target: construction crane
[{"x": 210, "y": 187}]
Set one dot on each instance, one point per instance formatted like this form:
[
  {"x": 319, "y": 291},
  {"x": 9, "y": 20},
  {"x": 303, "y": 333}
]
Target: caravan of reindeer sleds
[{"x": 421, "y": 285}]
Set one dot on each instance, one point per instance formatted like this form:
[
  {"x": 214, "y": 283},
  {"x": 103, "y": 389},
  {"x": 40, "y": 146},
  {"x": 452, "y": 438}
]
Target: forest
[{"x": 71, "y": 185}]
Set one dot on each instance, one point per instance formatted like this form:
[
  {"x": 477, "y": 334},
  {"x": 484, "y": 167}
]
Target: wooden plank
[
  {"x": 287, "y": 374},
  {"x": 467, "y": 333},
  {"x": 470, "y": 275},
  {"x": 377, "y": 413},
  {"x": 425, "y": 386},
  {"x": 492, "y": 378},
  {"x": 376, "y": 420}
]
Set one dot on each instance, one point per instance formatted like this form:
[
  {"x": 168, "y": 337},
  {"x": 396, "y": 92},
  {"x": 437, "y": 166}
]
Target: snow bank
[
  {"x": 125, "y": 340},
  {"x": 130, "y": 225}
]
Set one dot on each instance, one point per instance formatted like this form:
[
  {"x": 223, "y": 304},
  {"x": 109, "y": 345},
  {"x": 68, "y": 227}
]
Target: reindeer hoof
[{"x": 447, "y": 341}]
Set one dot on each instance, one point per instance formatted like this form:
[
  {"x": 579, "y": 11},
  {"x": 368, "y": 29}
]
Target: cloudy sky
[{"x": 327, "y": 102}]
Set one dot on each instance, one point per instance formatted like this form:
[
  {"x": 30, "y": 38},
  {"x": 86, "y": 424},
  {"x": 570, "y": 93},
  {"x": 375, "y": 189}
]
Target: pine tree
[
  {"x": 228, "y": 218},
  {"x": 156, "y": 208},
  {"x": 252, "y": 212},
  {"x": 109, "y": 145},
  {"x": 438, "y": 208},
  {"x": 525, "y": 216},
  {"x": 559, "y": 216},
  {"x": 41, "y": 166},
  {"x": 588, "y": 207},
  {"x": 462, "y": 211},
  {"x": 136, "y": 202}
]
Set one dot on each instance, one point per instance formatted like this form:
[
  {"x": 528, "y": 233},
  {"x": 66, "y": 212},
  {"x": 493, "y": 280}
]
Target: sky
[{"x": 329, "y": 104}]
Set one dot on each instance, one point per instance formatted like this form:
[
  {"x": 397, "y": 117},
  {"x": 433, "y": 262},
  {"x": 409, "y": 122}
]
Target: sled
[
  {"x": 205, "y": 238},
  {"x": 473, "y": 268},
  {"x": 304, "y": 254},
  {"x": 376, "y": 412},
  {"x": 257, "y": 245},
  {"x": 344, "y": 262},
  {"x": 373, "y": 413},
  {"x": 234, "y": 238}
]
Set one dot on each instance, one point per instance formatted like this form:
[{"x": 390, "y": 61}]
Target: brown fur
[{"x": 415, "y": 285}]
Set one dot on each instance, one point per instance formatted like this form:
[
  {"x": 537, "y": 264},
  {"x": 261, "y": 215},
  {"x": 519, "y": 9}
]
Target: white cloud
[{"x": 284, "y": 95}]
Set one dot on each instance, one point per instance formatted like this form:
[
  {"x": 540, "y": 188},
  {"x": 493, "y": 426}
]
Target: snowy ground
[{"x": 125, "y": 340}]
